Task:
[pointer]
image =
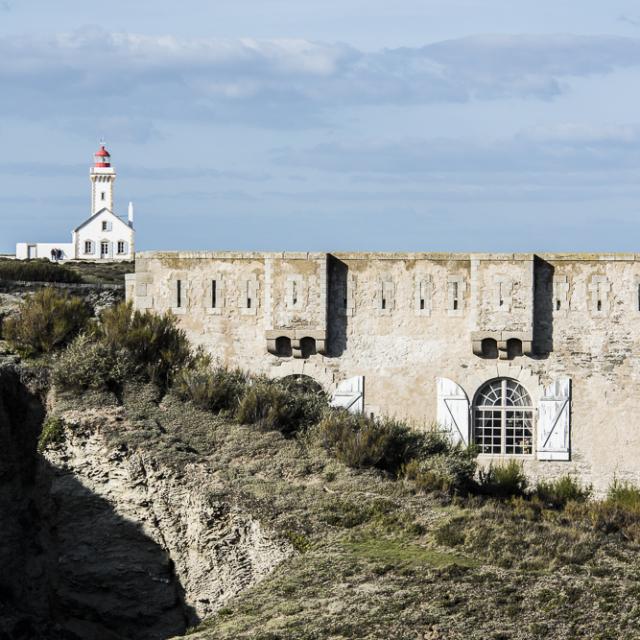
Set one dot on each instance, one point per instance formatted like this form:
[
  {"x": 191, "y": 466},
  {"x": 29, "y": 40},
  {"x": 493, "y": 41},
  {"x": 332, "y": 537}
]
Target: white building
[{"x": 102, "y": 236}]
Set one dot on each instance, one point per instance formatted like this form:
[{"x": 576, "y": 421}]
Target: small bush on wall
[{"x": 46, "y": 320}]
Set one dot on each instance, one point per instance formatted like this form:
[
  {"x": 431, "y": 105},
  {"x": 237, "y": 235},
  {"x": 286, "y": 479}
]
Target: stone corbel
[{"x": 503, "y": 353}]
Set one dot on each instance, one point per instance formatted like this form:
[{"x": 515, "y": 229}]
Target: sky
[{"x": 413, "y": 125}]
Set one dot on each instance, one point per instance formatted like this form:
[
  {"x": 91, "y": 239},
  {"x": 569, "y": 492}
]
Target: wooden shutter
[
  {"x": 349, "y": 395},
  {"x": 453, "y": 410},
  {"x": 554, "y": 421}
]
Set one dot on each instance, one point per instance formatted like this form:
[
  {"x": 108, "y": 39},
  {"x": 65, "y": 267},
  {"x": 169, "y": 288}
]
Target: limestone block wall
[{"x": 401, "y": 321}]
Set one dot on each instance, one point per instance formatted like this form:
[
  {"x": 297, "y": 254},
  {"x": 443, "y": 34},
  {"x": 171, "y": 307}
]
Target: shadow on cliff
[{"x": 73, "y": 568}]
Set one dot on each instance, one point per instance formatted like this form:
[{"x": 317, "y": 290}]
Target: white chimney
[{"x": 131, "y": 214}]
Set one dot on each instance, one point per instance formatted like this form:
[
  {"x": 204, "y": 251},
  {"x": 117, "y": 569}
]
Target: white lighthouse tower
[
  {"x": 103, "y": 175},
  {"x": 103, "y": 236}
]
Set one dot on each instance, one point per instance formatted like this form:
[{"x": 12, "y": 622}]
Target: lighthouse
[
  {"x": 104, "y": 235},
  {"x": 102, "y": 175}
]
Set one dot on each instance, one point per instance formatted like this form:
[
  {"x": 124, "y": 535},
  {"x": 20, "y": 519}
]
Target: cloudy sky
[{"x": 433, "y": 125}]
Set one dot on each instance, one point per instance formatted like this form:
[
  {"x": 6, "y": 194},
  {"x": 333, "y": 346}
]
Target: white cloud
[
  {"x": 288, "y": 82},
  {"x": 560, "y": 149}
]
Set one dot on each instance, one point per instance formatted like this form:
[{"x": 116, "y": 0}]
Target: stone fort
[{"x": 534, "y": 357}]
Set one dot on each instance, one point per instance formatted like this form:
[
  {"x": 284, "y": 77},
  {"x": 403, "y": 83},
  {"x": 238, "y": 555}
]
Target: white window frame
[{"x": 503, "y": 408}]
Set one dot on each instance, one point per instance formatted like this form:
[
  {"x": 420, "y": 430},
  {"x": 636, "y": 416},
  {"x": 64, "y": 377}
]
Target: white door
[
  {"x": 104, "y": 249},
  {"x": 32, "y": 251}
]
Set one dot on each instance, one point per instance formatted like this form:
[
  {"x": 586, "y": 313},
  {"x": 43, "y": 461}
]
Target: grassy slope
[
  {"x": 374, "y": 559},
  {"x": 89, "y": 272},
  {"x": 102, "y": 273}
]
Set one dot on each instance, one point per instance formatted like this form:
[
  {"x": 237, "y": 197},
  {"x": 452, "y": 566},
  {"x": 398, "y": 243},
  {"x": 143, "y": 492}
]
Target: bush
[
  {"x": 625, "y": 496},
  {"x": 503, "y": 480},
  {"x": 37, "y": 271},
  {"x": 618, "y": 513},
  {"x": 209, "y": 387},
  {"x": 46, "y": 320},
  {"x": 272, "y": 405},
  {"x": 156, "y": 346},
  {"x": 53, "y": 432},
  {"x": 361, "y": 442},
  {"x": 91, "y": 364},
  {"x": 452, "y": 471},
  {"x": 557, "y": 493}
]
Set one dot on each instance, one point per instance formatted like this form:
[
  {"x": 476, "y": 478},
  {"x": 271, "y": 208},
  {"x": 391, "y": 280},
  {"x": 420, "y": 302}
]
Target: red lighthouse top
[{"x": 102, "y": 158}]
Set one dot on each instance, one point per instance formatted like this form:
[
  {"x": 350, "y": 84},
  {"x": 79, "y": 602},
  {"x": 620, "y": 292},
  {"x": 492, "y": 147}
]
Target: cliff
[{"x": 145, "y": 517}]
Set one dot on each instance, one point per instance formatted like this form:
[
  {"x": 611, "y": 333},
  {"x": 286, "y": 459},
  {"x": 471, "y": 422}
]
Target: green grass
[{"x": 402, "y": 553}]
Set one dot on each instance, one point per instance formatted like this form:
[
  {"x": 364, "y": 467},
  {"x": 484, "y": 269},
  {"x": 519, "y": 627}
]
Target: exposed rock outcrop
[{"x": 102, "y": 542}]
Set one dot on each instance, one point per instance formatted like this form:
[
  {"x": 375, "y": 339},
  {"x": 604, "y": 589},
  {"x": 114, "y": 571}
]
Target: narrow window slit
[
  {"x": 214, "y": 293},
  {"x": 421, "y": 304},
  {"x": 455, "y": 295},
  {"x": 178, "y": 293},
  {"x": 558, "y": 305},
  {"x": 599, "y": 305}
]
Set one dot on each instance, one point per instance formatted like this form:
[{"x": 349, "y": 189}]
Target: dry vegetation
[{"x": 397, "y": 535}]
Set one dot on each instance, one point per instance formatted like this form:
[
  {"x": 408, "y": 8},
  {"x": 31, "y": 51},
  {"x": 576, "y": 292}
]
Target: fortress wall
[{"x": 404, "y": 320}]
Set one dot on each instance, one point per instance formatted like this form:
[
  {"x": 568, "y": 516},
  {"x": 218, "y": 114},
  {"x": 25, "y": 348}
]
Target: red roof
[{"x": 103, "y": 153}]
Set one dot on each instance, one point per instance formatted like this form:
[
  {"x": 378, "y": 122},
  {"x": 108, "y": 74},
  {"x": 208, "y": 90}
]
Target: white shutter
[
  {"x": 453, "y": 410},
  {"x": 554, "y": 421},
  {"x": 349, "y": 395}
]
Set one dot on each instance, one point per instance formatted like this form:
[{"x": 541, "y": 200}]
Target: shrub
[
  {"x": 361, "y": 442},
  {"x": 625, "y": 496},
  {"x": 618, "y": 513},
  {"x": 274, "y": 406},
  {"x": 53, "y": 432},
  {"x": 209, "y": 387},
  {"x": 557, "y": 493},
  {"x": 46, "y": 320},
  {"x": 452, "y": 471},
  {"x": 40, "y": 270},
  {"x": 91, "y": 364},
  {"x": 503, "y": 480},
  {"x": 156, "y": 346}
]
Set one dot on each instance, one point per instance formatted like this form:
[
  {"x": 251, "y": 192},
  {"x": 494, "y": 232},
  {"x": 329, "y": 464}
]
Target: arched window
[{"x": 503, "y": 418}]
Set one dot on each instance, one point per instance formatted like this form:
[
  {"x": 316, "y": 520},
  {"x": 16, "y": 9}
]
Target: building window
[
  {"x": 214, "y": 294},
  {"x": 102, "y": 195},
  {"x": 121, "y": 246},
  {"x": 178, "y": 293},
  {"x": 503, "y": 419},
  {"x": 88, "y": 246}
]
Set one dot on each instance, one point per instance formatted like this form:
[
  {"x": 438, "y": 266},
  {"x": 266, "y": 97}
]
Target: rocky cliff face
[{"x": 104, "y": 542}]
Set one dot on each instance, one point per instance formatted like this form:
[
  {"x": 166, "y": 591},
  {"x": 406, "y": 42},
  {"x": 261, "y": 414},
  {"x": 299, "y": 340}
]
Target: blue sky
[{"x": 426, "y": 125}]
